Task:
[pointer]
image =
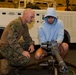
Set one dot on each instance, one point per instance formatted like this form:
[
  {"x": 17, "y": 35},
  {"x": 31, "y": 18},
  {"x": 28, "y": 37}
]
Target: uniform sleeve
[
  {"x": 60, "y": 33},
  {"x": 12, "y": 39},
  {"x": 26, "y": 36}
]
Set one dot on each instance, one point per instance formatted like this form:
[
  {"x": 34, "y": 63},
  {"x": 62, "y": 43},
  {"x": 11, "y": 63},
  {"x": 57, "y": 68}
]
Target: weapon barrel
[{"x": 59, "y": 59}]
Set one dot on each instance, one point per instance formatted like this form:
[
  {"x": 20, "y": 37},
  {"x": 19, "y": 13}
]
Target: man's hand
[
  {"x": 26, "y": 54},
  {"x": 31, "y": 48}
]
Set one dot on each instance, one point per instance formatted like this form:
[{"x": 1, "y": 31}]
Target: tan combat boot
[{"x": 4, "y": 67}]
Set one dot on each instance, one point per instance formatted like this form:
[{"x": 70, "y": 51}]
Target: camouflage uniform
[{"x": 11, "y": 47}]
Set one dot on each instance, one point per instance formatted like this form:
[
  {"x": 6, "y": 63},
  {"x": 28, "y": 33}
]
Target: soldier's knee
[
  {"x": 24, "y": 61},
  {"x": 19, "y": 62}
]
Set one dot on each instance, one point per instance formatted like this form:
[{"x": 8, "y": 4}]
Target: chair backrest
[
  {"x": 66, "y": 37},
  {"x": 1, "y": 30}
]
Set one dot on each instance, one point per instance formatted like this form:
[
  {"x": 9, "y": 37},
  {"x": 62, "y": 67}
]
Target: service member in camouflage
[{"x": 18, "y": 53}]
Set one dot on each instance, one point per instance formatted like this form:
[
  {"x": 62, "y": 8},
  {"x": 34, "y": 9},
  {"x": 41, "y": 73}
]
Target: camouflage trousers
[{"x": 13, "y": 57}]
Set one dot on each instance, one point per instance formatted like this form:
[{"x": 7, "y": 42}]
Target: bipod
[{"x": 51, "y": 64}]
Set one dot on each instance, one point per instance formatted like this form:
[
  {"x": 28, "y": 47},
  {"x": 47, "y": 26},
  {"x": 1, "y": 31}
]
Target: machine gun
[{"x": 52, "y": 48}]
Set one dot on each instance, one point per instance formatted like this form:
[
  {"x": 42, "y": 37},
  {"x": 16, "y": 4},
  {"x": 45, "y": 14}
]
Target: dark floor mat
[
  {"x": 71, "y": 58},
  {"x": 41, "y": 72},
  {"x": 36, "y": 72}
]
